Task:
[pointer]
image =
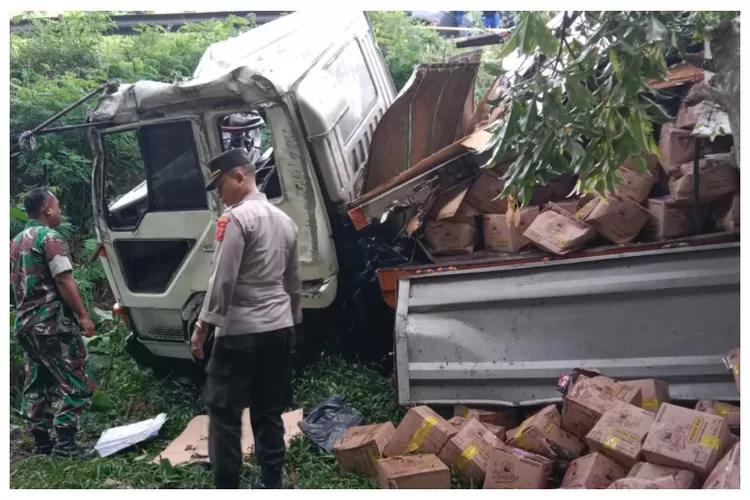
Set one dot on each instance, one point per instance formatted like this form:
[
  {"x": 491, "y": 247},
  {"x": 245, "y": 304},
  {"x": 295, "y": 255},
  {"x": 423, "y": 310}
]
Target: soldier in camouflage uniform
[{"x": 46, "y": 296}]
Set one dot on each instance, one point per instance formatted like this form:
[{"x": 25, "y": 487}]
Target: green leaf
[
  {"x": 511, "y": 43},
  {"x": 494, "y": 69},
  {"x": 654, "y": 148},
  {"x": 576, "y": 94},
  {"x": 655, "y": 31},
  {"x": 615, "y": 63},
  {"x": 100, "y": 316},
  {"x": 636, "y": 126},
  {"x": 102, "y": 403},
  {"x": 526, "y": 36},
  {"x": 12, "y": 319},
  {"x": 19, "y": 214},
  {"x": 548, "y": 44}
]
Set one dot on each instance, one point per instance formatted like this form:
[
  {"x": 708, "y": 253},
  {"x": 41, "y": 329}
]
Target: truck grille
[
  {"x": 158, "y": 324},
  {"x": 150, "y": 265}
]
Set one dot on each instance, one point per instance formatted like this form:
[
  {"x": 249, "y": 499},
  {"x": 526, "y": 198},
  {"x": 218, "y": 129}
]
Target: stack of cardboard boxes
[
  {"x": 651, "y": 204},
  {"x": 610, "y": 434}
]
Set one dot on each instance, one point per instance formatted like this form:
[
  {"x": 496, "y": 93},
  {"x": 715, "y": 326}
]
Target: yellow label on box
[
  {"x": 711, "y": 441},
  {"x": 550, "y": 428},
  {"x": 695, "y": 429},
  {"x": 421, "y": 434},
  {"x": 469, "y": 453},
  {"x": 736, "y": 370},
  {"x": 651, "y": 404},
  {"x": 626, "y": 436},
  {"x": 722, "y": 410},
  {"x": 611, "y": 442}
]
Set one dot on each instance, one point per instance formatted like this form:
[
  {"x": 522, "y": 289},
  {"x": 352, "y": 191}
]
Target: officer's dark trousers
[{"x": 252, "y": 370}]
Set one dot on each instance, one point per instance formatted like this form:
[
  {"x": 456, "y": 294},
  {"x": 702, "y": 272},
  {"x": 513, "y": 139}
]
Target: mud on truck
[{"x": 366, "y": 174}]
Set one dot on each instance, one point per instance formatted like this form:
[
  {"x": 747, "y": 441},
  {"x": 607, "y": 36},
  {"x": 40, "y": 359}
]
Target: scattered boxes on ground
[{"x": 610, "y": 434}]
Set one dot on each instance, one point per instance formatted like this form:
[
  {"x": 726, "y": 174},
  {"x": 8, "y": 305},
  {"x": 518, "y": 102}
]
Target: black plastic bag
[{"x": 328, "y": 421}]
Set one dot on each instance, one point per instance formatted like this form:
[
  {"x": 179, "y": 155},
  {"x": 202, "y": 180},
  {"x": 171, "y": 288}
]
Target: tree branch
[{"x": 563, "y": 29}]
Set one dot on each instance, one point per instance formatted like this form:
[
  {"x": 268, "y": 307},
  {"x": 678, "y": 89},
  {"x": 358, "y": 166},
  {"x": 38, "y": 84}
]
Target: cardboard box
[
  {"x": 634, "y": 185},
  {"x": 717, "y": 178},
  {"x": 652, "y": 165},
  {"x": 457, "y": 423},
  {"x": 594, "y": 471},
  {"x": 620, "y": 432},
  {"x": 686, "y": 439},
  {"x": 727, "y": 213},
  {"x": 667, "y": 219},
  {"x": 557, "y": 231},
  {"x": 421, "y": 431},
  {"x": 468, "y": 451},
  {"x": 445, "y": 237},
  {"x": 685, "y": 479},
  {"x": 505, "y": 417},
  {"x": 511, "y": 468},
  {"x": 619, "y": 219},
  {"x": 589, "y": 399},
  {"x": 676, "y": 146},
  {"x": 360, "y": 448},
  {"x": 570, "y": 206},
  {"x": 501, "y": 235},
  {"x": 485, "y": 189},
  {"x": 730, "y": 412},
  {"x": 688, "y": 116},
  {"x": 734, "y": 365},
  {"x": 653, "y": 393},
  {"x": 416, "y": 472},
  {"x": 555, "y": 190},
  {"x": 726, "y": 474},
  {"x": 542, "y": 434},
  {"x": 631, "y": 483}
]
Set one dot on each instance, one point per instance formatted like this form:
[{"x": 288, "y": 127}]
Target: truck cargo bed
[{"x": 502, "y": 330}]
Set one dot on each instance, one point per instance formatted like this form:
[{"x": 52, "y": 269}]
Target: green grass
[{"x": 132, "y": 394}]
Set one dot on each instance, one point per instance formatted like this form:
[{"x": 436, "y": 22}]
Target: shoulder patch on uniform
[{"x": 221, "y": 227}]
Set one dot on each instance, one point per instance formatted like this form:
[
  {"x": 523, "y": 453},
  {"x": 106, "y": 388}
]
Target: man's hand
[
  {"x": 87, "y": 326},
  {"x": 198, "y": 339}
]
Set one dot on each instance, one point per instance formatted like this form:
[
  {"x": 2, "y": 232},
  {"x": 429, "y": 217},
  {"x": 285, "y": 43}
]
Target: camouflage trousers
[{"x": 56, "y": 369}]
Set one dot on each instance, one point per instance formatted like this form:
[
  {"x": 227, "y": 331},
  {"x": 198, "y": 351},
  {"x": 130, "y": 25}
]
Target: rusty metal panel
[{"x": 429, "y": 114}]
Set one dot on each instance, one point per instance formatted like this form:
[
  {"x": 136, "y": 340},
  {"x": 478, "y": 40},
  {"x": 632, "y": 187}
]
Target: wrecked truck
[{"x": 354, "y": 165}]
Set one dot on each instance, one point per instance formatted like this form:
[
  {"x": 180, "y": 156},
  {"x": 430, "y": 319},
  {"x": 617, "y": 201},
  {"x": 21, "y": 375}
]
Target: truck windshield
[{"x": 153, "y": 168}]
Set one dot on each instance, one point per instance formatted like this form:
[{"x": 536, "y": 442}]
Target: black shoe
[
  {"x": 67, "y": 447},
  {"x": 268, "y": 480},
  {"x": 44, "y": 444}
]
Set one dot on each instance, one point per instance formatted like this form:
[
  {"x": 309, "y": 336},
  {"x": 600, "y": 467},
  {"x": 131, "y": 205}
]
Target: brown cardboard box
[
  {"x": 631, "y": 483},
  {"x": 727, "y": 213},
  {"x": 592, "y": 472},
  {"x": 505, "y": 417},
  {"x": 620, "y": 432},
  {"x": 619, "y": 219},
  {"x": 653, "y": 393},
  {"x": 499, "y": 236},
  {"x": 359, "y": 449},
  {"x": 589, "y": 399},
  {"x": 555, "y": 190},
  {"x": 511, "y": 468},
  {"x": 668, "y": 219},
  {"x": 469, "y": 450},
  {"x": 497, "y": 430},
  {"x": 726, "y": 474},
  {"x": 445, "y": 237},
  {"x": 685, "y": 479},
  {"x": 634, "y": 185},
  {"x": 676, "y": 146},
  {"x": 541, "y": 434},
  {"x": 717, "y": 178},
  {"x": 485, "y": 189},
  {"x": 734, "y": 363},
  {"x": 457, "y": 423},
  {"x": 570, "y": 205},
  {"x": 421, "y": 431},
  {"x": 557, "y": 231},
  {"x": 730, "y": 412},
  {"x": 652, "y": 164},
  {"x": 688, "y": 116},
  {"x": 686, "y": 439},
  {"x": 416, "y": 472}
]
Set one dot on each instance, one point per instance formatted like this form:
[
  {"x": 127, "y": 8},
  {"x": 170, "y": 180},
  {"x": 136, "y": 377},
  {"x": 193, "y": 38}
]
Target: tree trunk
[{"x": 725, "y": 48}]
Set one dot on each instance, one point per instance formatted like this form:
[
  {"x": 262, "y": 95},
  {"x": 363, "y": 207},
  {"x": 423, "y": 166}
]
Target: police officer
[
  {"x": 46, "y": 299},
  {"x": 253, "y": 301}
]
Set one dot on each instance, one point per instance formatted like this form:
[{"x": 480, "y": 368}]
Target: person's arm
[
  {"x": 224, "y": 271},
  {"x": 57, "y": 255},
  {"x": 293, "y": 284}
]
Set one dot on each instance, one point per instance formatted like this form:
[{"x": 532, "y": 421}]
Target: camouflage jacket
[{"x": 37, "y": 255}]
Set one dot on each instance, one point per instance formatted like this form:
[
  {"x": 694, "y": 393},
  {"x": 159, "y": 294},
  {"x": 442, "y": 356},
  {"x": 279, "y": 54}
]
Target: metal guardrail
[{"x": 126, "y": 24}]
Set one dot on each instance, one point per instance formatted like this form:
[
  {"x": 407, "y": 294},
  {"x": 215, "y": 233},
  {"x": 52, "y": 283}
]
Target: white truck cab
[{"x": 307, "y": 90}]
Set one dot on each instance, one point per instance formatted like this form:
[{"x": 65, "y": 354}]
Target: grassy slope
[{"x": 136, "y": 395}]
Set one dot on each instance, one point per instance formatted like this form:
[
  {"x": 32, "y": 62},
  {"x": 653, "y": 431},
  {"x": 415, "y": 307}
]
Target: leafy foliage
[{"x": 581, "y": 102}]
